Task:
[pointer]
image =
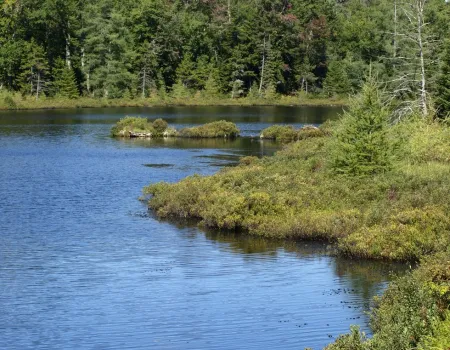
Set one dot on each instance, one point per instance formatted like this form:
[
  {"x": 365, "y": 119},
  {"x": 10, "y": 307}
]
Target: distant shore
[{"x": 16, "y": 102}]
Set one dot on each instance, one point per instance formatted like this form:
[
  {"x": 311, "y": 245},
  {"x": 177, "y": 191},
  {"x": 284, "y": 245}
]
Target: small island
[{"x": 137, "y": 127}]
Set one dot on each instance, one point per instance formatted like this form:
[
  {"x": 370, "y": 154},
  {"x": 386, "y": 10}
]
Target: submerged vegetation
[{"x": 142, "y": 127}]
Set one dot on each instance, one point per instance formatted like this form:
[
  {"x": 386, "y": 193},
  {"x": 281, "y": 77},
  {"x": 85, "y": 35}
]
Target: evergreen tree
[
  {"x": 211, "y": 86},
  {"x": 64, "y": 83},
  {"x": 336, "y": 82},
  {"x": 443, "y": 85},
  {"x": 35, "y": 71},
  {"x": 360, "y": 146}
]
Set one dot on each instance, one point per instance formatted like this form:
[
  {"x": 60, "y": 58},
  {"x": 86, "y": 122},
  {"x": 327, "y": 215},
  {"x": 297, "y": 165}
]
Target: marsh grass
[{"x": 12, "y": 101}]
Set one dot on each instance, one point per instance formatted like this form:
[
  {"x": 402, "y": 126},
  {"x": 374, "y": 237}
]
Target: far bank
[{"x": 18, "y": 102}]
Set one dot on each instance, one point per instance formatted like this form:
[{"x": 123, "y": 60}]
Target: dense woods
[{"x": 127, "y": 49}]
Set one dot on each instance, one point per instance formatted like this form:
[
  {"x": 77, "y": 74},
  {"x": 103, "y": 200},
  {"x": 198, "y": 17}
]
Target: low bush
[
  {"x": 220, "y": 129},
  {"x": 287, "y": 133}
]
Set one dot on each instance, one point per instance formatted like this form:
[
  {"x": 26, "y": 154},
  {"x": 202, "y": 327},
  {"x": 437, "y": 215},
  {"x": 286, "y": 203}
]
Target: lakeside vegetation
[
  {"x": 15, "y": 101},
  {"x": 373, "y": 185},
  {"x": 377, "y": 190},
  {"x": 131, "y": 127}
]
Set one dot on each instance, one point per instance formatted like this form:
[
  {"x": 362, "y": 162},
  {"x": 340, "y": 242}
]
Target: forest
[{"x": 113, "y": 49}]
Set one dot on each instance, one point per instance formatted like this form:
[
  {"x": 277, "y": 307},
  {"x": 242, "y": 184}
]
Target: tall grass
[{"x": 11, "y": 101}]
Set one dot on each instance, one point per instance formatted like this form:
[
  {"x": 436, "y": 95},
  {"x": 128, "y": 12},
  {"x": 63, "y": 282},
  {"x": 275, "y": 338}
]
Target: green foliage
[
  {"x": 279, "y": 133},
  {"x": 397, "y": 214},
  {"x": 287, "y": 133},
  {"x": 212, "y": 130},
  {"x": 337, "y": 81},
  {"x": 160, "y": 125},
  {"x": 131, "y": 124},
  {"x": 443, "y": 84},
  {"x": 353, "y": 341},
  {"x": 116, "y": 49},
  {"x": 64, "y": 84},
  {"x": 361, "y": 146}
]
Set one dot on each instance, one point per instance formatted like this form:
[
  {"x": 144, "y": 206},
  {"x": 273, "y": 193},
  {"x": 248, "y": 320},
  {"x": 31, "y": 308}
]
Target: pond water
[{"x": 84, "y": 265}]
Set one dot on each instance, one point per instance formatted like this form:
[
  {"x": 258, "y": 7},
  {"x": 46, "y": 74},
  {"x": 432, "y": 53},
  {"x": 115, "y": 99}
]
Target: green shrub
[
  {"x": 9, "y": 102},
  {"x": 284, "y": 133},
  {"x": 160, "y": 125},
  {"x": 212, "y": 130},
  {"x": 287, "y": 133},
  {"x": 353, "y": 341}
]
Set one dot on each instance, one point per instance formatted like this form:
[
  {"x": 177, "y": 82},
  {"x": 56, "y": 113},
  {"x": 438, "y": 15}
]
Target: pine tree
[
  {"x": 361, "y": 146},
  {"x": 211, "y": 86},
  {"x": 64, "y": 83},
  {"x": 35, "y": 71},
  {"x": 336, "y": 82}
]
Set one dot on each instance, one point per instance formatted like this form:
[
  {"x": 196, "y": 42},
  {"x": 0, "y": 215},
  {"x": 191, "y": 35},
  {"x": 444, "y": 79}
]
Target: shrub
[
  {"x": 212, "y": 130},
  {"x": 413, "y": 313},
  {"x": 284, "y": 133},
  {"x": 160, "y": 125},
  {"x": 287, "y": 133}
]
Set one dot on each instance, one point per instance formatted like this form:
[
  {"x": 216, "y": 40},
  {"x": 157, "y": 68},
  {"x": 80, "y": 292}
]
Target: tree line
[{"x": 116, "y": 49}]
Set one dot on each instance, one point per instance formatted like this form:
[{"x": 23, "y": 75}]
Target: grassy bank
[
  {"x": 398, "y": 214},
  {"x": 9, "y": 101}
]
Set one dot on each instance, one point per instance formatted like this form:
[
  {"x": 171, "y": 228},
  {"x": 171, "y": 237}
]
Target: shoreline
[{"x": 85, "y": 103}]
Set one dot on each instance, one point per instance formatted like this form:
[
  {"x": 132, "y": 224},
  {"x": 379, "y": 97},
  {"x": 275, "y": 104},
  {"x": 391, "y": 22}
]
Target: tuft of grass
[
  {"x": 287, "y": 133},
  {"x": 219, "y": 129}
]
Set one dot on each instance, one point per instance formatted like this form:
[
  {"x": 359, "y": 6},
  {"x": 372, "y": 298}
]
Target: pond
[{"x": 84, "y": 265}]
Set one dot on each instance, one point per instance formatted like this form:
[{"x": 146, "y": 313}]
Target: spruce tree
[
  {"x": 361, "y": 146},
  {"x": 67, "y": 84},
  {"x": 336, "y": 82}
]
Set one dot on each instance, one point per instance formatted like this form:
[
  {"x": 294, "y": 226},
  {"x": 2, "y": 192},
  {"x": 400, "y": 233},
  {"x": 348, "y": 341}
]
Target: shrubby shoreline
[{"x": 373, "y": 188}]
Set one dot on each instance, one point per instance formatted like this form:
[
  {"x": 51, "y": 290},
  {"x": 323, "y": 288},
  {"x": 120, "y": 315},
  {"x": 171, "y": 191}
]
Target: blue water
[{"x": 84, "y": 265}]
